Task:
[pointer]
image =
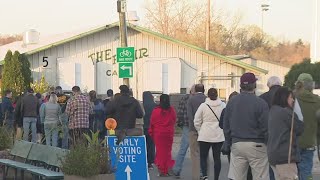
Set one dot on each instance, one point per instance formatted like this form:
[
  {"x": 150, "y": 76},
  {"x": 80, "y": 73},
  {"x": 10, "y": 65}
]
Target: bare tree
[
  {"x": 6, "y": 39},
  {"x": 173, "y": 17}
]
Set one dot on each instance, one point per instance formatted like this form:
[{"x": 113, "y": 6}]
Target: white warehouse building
[{"x": 162, "y": 64}]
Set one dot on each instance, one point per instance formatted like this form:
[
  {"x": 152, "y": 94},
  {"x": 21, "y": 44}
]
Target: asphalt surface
[{"x": 187, "y": 173}]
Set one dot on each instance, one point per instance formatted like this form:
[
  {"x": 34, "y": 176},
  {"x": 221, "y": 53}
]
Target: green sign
[
  {"x": 125, "y": 70},
  {"x": 125, "y": 55}
]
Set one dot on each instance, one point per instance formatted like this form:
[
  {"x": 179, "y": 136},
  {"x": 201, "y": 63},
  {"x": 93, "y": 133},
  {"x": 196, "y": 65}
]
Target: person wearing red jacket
[{"x": 162, "y": 122}]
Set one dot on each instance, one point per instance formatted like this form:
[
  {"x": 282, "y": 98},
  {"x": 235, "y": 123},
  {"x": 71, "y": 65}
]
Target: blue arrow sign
[{"x": 131, "y": 163}]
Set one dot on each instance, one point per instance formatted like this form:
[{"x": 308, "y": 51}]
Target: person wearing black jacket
[
  {"x": 274, "y": 83},
  {"x": 148, "y": 105},
  {"x": 124, "y": 109},
  {"x": 30, "y": 111},
  {"x": 7, "y": 110}
]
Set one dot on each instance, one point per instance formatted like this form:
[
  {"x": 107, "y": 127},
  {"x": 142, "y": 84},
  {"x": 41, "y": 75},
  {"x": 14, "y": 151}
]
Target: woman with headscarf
[
  {"x": 148, "y": 105},
  {"x": 163, "y": 119}
]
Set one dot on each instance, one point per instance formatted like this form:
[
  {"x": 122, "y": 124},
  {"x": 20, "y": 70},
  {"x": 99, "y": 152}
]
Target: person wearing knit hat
[{"x": 310, "y": 104}]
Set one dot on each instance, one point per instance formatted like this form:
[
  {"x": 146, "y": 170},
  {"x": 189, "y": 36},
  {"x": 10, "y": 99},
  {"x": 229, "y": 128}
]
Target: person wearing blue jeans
[
  {"x": 51, "y": 133},
  {"x": 306, "y": 164},
  {"x": 29, "y": 109},
  {"x": 50, "y": 115},
  {"x": 27, "y": 122},
  {"x": 184, "y": 146}
]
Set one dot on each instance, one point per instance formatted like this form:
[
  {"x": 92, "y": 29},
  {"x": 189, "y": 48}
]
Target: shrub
[
  {"x": 6, "y": 139},
  {"x": 82, "y": 161}
]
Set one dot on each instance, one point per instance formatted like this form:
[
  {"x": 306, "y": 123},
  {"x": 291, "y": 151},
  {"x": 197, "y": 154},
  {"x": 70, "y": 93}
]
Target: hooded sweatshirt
[
  {"x": 148, "y": 105},
  {"x": 207, "y": 124},
  {"x": 309, "y": 104},
  {"x": 125, "y": 110}
]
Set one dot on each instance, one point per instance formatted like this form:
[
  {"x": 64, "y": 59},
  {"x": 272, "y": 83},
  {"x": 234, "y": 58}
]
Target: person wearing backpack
[{"x": 206, "y": 122}]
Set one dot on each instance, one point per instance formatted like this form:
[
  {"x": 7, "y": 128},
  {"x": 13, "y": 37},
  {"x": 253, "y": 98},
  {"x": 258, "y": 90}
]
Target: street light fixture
[{"x": 264, "y": 7}]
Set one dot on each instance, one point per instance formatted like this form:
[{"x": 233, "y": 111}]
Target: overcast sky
[{"x": 286, "y": 19}]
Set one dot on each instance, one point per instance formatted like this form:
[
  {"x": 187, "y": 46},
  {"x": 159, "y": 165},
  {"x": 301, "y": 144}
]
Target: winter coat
[
  {"x": 125, "y": 110},
  {"x": 148, "y": 105},
  {"x": 206, "y": 122},
  {"x": 268, "y": 96},
  {"x": 246, "y": 119},
  {"x": 162, "y": 121},
  {"x": 30, "y": 106},
  {"x": 309, "y": 104},
  {"x": 279, "y": 128},
  {"x": 7, "y": 109}
]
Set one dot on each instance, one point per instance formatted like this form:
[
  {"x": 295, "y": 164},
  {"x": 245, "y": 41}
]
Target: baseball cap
[
  {"x": 305, "y": 77},
  {"x": 248, "y": 78}
]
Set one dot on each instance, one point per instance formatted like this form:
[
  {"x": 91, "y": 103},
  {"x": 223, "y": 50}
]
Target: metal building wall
[{"x": 208, "y": 66}]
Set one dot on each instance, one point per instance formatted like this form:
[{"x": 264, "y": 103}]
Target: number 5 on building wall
[{"x": 45, "y": 62}]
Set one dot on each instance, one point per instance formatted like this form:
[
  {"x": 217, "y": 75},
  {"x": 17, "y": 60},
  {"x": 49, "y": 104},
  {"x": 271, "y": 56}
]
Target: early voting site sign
[{"x": 131, "y": 163}]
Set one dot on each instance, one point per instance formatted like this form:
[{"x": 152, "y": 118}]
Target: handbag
[{"x": 213, "y": 112}]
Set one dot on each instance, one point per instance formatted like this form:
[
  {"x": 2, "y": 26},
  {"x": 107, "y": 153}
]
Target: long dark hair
[
  {"x": 280, "y": 98},
  {"x": 165, "y": 101}
]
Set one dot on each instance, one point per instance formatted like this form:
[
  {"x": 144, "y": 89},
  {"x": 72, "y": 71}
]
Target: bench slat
[
  {"x": 18, "y": 165},
  {"x": 46, "y": 173}
]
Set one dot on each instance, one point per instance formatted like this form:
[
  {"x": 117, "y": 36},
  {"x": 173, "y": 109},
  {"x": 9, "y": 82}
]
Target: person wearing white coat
[{"x": 206, "y": 122}]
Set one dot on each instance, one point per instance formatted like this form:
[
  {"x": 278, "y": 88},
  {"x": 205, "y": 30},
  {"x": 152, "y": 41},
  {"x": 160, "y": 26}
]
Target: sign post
[{"x": 129, "y": 158}]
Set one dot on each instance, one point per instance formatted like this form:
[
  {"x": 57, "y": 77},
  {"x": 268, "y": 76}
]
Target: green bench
[{"x": 40, "y": 160}]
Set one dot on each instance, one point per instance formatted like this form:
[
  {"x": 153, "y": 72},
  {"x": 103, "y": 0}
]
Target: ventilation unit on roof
[
  {"x": 132, "y": 17},
  {"x": 31, "y": 37}
]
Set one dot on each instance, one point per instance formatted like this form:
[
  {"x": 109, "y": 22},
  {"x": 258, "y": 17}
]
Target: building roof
[
  {"x": 244, "y": 57},
  {"x": 53, "y": 41}
]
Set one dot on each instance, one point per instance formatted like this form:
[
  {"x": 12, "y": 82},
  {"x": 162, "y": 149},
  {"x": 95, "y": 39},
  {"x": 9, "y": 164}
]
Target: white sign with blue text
[{"x": 131, "y": 163}]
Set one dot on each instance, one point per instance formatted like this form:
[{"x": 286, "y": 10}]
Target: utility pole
[
  {"x": 122, "y": 8},
  {"x": 208, "y": 26}
]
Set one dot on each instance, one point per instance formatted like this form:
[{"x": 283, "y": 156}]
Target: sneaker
[
  {"x": 162, "y": 175},
  {"x": 204, "y": 177},
  {"x": 177, "y": 175}
]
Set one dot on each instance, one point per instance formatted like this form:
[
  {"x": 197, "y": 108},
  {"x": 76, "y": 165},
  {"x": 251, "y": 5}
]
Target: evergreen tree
[
  {"x": 7, "y": 72},
  {"x": 305, "y": 67},
  {"x": 26, "y": 72},
  {"x": 18, "y": 79},
  {"x": 16, "y": 73}
]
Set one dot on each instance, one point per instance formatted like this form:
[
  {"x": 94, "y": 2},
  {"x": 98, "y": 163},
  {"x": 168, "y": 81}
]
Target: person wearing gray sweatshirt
[
  {"x": 50, "y": 115},
  {"x": 193, "y": 104},
  {"x": 246, "y": 128}
]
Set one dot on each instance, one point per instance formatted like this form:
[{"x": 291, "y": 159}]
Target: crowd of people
[{"x": 268, "y": 137}]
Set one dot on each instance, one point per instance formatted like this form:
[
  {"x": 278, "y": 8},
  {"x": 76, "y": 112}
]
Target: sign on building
[
  {"x": 129, "y": 158},
  {"x": 125, "y": 55}
]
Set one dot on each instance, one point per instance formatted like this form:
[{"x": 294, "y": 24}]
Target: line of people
[{"x": 257, "y": 133}]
